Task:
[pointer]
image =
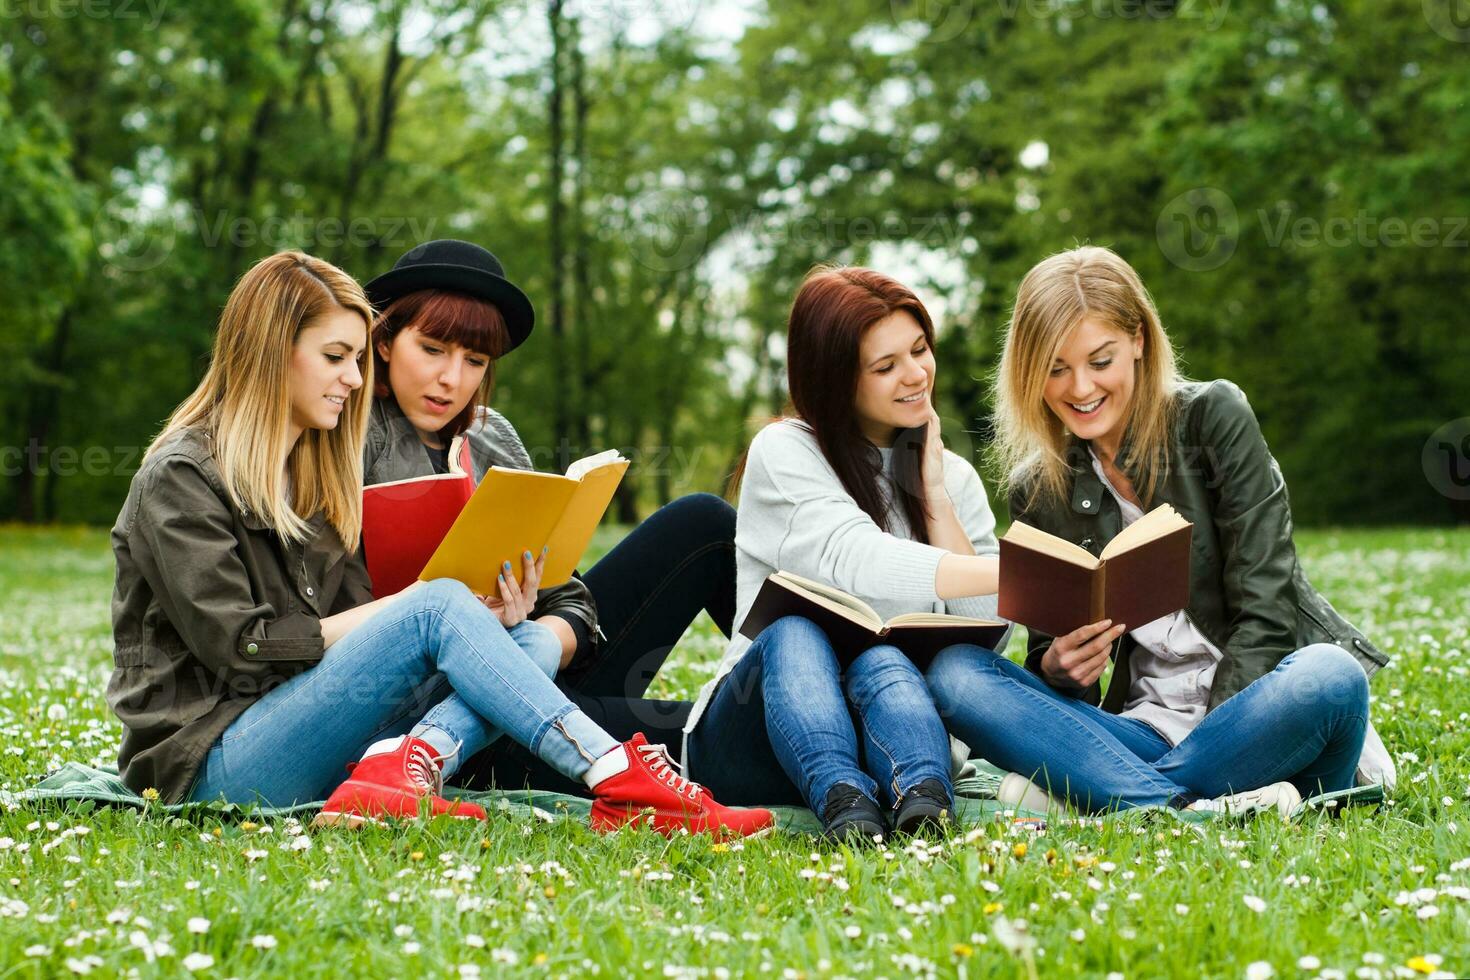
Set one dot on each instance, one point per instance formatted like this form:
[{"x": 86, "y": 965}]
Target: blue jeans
[
  {"x": 648, "y": 590},
  {"x": 1303, "y": 722},
  {"x": 438, "y": 649},
  {"x": 786, "y": 724}
]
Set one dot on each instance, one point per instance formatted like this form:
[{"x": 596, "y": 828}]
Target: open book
[
  {"x": 1055, "y": 587},
  {"x": 853, "y": 626},
  {"x": 443, "y": 526}
]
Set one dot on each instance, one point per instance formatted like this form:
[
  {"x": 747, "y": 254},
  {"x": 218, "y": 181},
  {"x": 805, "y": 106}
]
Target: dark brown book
[
  {"x": 1055, "y": 587},
  {"x": 853, "y": 626}
]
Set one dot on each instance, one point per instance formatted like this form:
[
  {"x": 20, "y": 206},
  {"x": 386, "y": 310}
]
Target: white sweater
[{"x": 795, "y": 516}]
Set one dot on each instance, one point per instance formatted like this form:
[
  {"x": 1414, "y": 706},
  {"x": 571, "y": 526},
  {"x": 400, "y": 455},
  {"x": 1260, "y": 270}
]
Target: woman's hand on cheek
[{"x": 933, "y": 464}]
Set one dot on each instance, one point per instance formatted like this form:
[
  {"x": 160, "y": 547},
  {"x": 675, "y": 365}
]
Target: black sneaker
[
  {"x": 926, "y": 805},
  {"x": 849, "y": 817}
]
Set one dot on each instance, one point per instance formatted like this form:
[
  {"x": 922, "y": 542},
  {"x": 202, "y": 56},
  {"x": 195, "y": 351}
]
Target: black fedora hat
[{"x": 460, "y": 267}]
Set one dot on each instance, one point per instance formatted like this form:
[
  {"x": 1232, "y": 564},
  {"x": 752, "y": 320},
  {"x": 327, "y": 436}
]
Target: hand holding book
[
  {"x": 1077, "y": 659},
  {"x": 1051, "y": 585},
  {"x": 513, "y": 601}
]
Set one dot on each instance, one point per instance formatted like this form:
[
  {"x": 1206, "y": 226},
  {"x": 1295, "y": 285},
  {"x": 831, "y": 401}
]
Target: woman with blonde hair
[
  {"x": 251, "y": 661},
  {"x": 1254, "y": 694}
]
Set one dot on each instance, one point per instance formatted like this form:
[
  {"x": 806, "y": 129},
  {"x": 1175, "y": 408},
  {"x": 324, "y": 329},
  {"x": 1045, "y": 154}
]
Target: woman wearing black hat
[{"x": 447, "y": 315}]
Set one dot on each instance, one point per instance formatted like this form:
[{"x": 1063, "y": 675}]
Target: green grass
[{"x": 1353, "y": 892}]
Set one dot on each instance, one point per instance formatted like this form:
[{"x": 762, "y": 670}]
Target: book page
[
  {"x": 938, "y": 619},
  {"x": 819, "y": 591},
  {"x": 589, "y": 501},
  {"x": 587, "y": 464},
  {"x": 1034, "y": 539},
  {"x": 1158, "y": 522}
]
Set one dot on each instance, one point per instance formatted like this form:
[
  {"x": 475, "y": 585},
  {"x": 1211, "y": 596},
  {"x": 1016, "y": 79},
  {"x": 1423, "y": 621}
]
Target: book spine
[{"x": 1098, "y": 605}]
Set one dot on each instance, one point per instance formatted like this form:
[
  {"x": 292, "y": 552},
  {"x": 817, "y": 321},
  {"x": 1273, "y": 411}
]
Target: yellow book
[{"x": 515, "y": 511}]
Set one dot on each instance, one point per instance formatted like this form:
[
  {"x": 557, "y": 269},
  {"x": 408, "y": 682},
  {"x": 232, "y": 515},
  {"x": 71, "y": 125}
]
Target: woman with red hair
[{"x": 854, "y": 489}]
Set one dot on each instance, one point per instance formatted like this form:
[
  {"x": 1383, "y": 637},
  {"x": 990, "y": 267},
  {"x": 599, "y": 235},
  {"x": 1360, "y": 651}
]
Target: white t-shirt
[{"x": 1174, "y": 666}]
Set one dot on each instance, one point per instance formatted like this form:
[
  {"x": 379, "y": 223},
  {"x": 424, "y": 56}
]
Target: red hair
[
  {"x": 450, "y": 318},
  {"x": 832, "y": 311}
]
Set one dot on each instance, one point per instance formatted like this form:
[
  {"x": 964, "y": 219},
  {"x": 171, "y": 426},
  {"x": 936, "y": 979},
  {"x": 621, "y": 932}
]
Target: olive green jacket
[
  {"x": 1247, "y": 592},
  {"x": 211, "y": 609}
]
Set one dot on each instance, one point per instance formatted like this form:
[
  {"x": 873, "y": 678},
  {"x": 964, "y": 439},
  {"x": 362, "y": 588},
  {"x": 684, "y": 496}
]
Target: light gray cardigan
[{"x": 795, "y": 516}]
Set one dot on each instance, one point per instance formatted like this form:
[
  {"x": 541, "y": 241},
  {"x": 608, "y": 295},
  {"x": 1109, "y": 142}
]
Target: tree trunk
[
  {"x": 561, "y": 430},
  {"x": 582, "y": 378},
  {"x": 44, "y": 405}
]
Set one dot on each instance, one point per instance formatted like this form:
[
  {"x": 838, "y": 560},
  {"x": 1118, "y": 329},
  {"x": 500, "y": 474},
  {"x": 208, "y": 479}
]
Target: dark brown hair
[
  {"x": 450, "y": 318},
  {"x": 832, "y": 311}
]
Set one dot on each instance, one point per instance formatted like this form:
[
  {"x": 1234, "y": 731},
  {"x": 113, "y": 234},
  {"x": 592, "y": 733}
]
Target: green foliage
[{"x": 1291, "y": 181}]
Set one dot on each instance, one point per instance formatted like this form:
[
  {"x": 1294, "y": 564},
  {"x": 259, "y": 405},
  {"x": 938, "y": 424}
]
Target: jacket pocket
[{"x": 1348, "y": 638}]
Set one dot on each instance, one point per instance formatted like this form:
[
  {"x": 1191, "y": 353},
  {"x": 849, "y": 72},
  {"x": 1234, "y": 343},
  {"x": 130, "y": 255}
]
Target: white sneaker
[
  {"x": 1018, "y": 791},
  {"x": 1282, "y": 797}
]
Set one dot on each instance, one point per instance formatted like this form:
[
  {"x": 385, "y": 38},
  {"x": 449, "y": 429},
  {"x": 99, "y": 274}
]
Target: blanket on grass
[{"x": 975, "y": 802}]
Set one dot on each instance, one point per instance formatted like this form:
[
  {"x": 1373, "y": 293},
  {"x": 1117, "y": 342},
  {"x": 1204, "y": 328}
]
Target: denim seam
[
  {"x": 894, "y": 768},
  {"x": 493, "y": 668},
  {"x": 1151, "y": 775},
  {"x": 775, "y": 722},
  {"x": 648, "y": 601},
  {"x": 546, "y": 725},
  {"x": 1288, "y": 767}
]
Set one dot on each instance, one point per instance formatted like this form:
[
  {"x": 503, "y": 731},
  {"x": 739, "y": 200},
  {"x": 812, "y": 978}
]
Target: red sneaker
[
  {"x": 393, "y": 779},
  {"x": 650, "y": 789}
]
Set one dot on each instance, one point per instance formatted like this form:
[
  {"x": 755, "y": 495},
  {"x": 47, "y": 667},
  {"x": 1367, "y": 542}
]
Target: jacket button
[
  {"x": 309, "y": 592},
  {"x": 252, "y": 649},
  {"x": 1087, "y": 505}
]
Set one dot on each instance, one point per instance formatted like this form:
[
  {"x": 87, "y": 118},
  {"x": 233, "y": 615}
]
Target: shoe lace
[
  {"x": 427, "y": 769},
  {"x": 840, "y": 800},
  {"x": 929, "y": 790},
  {"x": 661, "y": 764}
]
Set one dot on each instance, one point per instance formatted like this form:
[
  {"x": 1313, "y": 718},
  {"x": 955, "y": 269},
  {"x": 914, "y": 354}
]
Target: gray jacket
[{"x": 393, "y": 451}]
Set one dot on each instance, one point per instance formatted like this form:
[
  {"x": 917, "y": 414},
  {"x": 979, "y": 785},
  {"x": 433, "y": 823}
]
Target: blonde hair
[
  {"x": 243, "y": 402},
  {"x": 1058, "y": 294}
]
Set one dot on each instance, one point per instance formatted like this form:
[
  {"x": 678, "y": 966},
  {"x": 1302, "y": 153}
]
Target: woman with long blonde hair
[
  {"x": 1253, "y": 695},
  {"x": 251, "y": 661}
]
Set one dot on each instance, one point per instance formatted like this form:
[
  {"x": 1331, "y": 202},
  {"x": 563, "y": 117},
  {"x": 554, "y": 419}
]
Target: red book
[{"x": 404, "y": 521}]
